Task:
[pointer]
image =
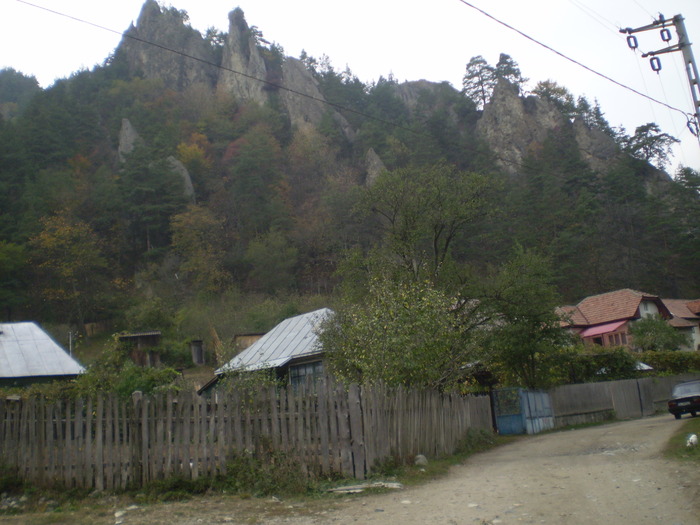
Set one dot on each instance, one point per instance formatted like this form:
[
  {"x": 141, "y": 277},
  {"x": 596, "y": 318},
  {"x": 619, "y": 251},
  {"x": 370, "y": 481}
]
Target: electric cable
[{"x": 573, "y": 61}]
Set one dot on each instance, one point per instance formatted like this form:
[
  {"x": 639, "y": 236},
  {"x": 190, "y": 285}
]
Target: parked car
[{"x": 685, "y": 399}]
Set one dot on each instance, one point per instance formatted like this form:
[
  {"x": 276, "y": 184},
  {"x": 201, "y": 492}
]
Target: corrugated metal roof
[
  {"x": 292, "y": 338},
  {"x": 27, "y": 351}
]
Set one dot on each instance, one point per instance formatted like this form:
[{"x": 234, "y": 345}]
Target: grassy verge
[{"x": 676, "y": 447}]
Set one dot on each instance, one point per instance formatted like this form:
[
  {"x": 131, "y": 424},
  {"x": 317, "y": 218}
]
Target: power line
[
  {"x": 576, "y": 62},
  {"x": 219, "y": 66}
]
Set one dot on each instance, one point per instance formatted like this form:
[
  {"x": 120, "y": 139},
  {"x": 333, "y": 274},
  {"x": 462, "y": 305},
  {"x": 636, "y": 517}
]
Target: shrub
[
  {"x": 671, "y": 362},
  {"x": 264, "y": 472},
  {"x": 579, "y": 365}
]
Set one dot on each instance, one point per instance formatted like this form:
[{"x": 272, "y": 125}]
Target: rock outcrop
[
  {"x": 181, "y": 56},
  {"x": 129, "y": 139},
  {"x": 514, "y": 126},
  {"x": 242, "y": 62},
  {"x": 596, "y": 148},
  {"x": 373, "y": 165},
  {"x": 511, "y": 125}
]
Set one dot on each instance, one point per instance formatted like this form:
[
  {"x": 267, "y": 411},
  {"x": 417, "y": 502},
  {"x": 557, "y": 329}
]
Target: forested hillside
[{"x": 151, "y": 200}]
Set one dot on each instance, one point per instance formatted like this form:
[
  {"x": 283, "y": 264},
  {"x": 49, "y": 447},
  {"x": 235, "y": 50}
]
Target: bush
[
  {"x": 579, "y": 365},
  {"x": 264, "y": 472},
  {"x": 671, "y": 362}
]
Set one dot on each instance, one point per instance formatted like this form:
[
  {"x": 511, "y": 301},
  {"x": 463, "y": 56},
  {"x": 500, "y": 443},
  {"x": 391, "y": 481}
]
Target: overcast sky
[{"x": 409, "y": 39}]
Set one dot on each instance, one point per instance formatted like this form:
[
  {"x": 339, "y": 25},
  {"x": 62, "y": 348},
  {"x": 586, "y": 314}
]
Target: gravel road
[{"x": 607, "y": 475}]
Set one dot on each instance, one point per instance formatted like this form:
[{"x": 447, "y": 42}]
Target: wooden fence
[
  {"x": 110, "y": 443},
  {"x": 628, "y": 398}
]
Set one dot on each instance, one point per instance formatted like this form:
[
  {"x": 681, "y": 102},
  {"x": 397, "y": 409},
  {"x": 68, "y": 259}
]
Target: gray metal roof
[
  {"x": 292, "y": 338},
  {"x": 27, "y": 351}
]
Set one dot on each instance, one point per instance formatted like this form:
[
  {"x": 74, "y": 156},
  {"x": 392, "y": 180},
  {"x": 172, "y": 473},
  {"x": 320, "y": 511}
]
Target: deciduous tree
[
  {"x": 423, "y": 209},
  {"x": 521, "y": 299},
  {"x": 73, "y": 273},
  {"x": 404, "y": 333},
  {"x": 653, "y": 333}
]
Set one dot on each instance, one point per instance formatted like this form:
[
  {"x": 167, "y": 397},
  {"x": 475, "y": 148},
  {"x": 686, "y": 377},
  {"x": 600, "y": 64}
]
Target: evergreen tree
[{"x": 479, "y": 80}]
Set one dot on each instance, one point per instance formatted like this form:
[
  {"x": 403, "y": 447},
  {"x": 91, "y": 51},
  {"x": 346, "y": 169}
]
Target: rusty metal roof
[
  {"x": 292, "y": 338},
  {"x": 27, "y": 351}
]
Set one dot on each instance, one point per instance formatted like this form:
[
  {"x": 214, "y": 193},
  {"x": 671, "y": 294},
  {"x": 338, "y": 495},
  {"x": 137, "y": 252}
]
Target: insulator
[
  {"x": 655, "y": 64},
  {"x": 665, "y": 34},
  {"x": 632, "y": 42}
]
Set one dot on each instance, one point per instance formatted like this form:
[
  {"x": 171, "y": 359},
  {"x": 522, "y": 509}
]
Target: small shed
[
  {"x": 144, "y": 347},
  {"x": 291, "y": 348},
  {"x": 29, "y": 355}
]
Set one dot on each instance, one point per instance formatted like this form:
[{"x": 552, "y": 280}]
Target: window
[
  {"x": 299, "y": 373},
  {"x": 624, "y": 339}
]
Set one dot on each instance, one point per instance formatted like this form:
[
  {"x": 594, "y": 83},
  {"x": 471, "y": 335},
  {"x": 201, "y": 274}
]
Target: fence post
[{"x": 136, "y": 438}]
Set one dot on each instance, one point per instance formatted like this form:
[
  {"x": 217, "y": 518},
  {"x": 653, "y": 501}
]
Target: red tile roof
[
  {"x": 612, "y": 306},
  {"x": 570, "y": 314},
  {"x": 680, "y": 308},
  {"x": 694, "y": 306}
]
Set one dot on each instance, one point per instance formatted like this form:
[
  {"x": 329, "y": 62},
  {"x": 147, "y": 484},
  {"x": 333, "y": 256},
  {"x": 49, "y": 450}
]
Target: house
[
  {"x": 291, "y": 348},
  {"x": 28, "y": 355},
  {"x": 605, "y": 319},
  {"x": 686, "y": 319}
]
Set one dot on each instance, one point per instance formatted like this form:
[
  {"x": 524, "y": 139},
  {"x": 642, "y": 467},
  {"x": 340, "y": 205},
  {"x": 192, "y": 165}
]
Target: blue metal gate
[{"x": 520, "y": 411}]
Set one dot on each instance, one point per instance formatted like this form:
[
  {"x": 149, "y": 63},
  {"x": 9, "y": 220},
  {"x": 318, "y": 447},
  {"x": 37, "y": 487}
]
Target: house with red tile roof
[
  {"x": 605, "y": 319},
  {"x": 686, "y": 318}
]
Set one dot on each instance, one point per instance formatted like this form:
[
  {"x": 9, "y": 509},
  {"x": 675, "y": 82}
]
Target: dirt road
[{"x": 606, "y": 475}]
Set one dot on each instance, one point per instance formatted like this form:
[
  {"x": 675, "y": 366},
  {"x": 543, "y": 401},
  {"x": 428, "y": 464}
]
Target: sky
[{"x": 410, "y": 40}]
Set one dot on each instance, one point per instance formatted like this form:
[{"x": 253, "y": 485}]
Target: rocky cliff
[
  {"x": 181, "y": 57},
  {"x": 510, "y": 124}
]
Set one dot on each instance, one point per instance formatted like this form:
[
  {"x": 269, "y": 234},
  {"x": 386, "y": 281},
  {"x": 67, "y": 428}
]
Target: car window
[{"x": 682, "y": 390}]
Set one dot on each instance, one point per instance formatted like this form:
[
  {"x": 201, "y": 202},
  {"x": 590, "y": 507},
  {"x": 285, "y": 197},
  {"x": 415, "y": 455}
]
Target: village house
[
  {"x": 686, "y": 319},
  {"x": 29, "y": 355},
  {"x": 292, "y": 349},
  {"x": 605, "y": 319}
]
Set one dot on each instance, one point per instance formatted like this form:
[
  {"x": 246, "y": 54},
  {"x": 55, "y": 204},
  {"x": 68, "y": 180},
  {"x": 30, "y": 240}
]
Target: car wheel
[{"x": 677, "y": 416}]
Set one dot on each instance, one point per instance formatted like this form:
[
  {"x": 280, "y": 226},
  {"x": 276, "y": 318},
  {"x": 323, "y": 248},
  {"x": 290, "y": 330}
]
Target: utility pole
[{"x": 683, "y": 45}]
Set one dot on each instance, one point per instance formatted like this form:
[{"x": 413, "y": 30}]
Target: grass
[{"x": 676, "y": 447}]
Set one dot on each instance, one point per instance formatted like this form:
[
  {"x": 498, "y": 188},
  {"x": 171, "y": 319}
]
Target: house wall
[
  {"x": 694, "y": 334},
  {"x": 648, "y": 309}
]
